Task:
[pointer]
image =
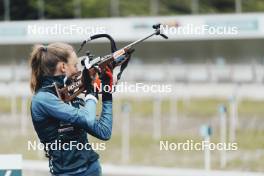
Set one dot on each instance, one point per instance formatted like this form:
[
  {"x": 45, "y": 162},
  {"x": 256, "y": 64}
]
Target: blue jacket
[{"x": 55, "y": 120}]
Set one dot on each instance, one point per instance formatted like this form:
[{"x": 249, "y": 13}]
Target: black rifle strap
[
  {"x": 122, "y": 68},
  {"x": 125, "y": 63}
]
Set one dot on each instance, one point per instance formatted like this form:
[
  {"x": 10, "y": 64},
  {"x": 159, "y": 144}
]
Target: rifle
[{"x": 99, "y": 64}]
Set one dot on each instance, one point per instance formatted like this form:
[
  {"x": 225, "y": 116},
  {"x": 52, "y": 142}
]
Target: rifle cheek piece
[{"x": 86, "y": 63}]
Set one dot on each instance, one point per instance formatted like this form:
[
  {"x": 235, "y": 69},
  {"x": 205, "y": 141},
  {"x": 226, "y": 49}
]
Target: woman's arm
[
  {"x": 47, "y": 104},
  {"x": 102, "y": 127}
]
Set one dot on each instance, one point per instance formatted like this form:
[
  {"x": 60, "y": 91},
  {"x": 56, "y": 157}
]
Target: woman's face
[{"x": 70, "y": 68}]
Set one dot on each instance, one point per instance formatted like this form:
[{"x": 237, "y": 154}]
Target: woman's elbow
[{"x": 106, "y": 135}]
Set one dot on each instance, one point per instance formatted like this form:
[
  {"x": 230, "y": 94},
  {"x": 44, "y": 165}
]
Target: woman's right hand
[
  {"x": 107, "y": 80},
  {"x": 87, "y": 81}
]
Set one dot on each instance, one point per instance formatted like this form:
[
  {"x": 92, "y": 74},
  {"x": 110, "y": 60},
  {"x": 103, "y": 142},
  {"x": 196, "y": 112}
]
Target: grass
[
  {"x": 200, "y": 108},
  {"x": 144, "y": 150},
  {"x": 249, "y": 108},
  {"x": 250, "y": 139},
  {"x": 6, "y": 104}
]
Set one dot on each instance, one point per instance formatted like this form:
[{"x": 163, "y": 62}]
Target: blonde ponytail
[{"x": 44, "y": 59}]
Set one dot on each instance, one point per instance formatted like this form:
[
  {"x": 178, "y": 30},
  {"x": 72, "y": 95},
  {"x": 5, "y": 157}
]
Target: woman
[{"x": 64, "y": 124}]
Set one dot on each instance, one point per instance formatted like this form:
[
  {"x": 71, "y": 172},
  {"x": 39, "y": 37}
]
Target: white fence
[
  {"x": 196, "y": 73},
  {"x": 167, "y": 73}
]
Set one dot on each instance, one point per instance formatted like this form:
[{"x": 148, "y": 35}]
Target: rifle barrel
[{"x": 140, "y": 40}]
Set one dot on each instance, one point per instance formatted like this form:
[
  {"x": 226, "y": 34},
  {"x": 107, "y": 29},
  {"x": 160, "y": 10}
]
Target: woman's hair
[{"x": 44, "y": 60}]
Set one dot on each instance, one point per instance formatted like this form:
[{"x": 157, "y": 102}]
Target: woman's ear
[{"x": 61, "y": 68}]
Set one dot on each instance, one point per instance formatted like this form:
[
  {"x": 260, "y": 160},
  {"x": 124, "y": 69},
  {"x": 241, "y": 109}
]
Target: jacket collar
[{"x": 49, "y": 80}]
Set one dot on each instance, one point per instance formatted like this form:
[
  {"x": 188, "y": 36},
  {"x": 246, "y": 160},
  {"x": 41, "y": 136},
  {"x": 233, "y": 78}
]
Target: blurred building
[{"x": 234, "y": 55}]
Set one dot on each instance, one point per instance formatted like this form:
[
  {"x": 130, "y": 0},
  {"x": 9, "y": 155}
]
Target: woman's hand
[
  {"x": 107, "y": 83},
  {"x": 107, "y": 77},
  {"x": 88, "y": 83}
]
